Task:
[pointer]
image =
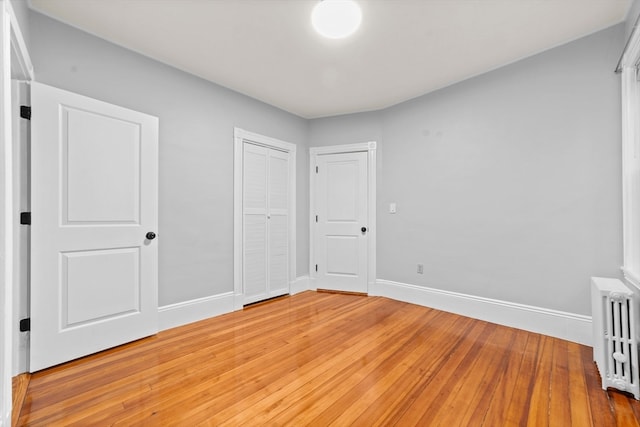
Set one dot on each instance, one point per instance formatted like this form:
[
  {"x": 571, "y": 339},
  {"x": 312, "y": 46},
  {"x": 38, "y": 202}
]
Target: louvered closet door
[{"x": 265, "y": 223}]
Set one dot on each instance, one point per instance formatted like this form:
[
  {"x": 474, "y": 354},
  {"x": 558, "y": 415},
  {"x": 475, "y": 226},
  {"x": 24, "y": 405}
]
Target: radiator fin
[{"x": 615, "y": 347}]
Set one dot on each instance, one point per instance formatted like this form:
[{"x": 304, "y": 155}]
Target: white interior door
[
  {"x": 94, "y": 201},
  {"x": 341, "y": 224},
  {"x": 265, "y": 223}
]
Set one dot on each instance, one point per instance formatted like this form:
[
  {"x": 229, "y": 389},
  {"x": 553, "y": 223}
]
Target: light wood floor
[{"x": 326, "y": 359}]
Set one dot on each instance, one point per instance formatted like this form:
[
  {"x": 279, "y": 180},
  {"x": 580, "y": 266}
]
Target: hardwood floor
[
  {"x": 329, "y": 359},
  {"x": 19, "y": 386}
]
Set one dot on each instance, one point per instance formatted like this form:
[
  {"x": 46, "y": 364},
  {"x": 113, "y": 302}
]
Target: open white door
[
  {"x": 94, "y": 187},
  {"x": 342, "y": 227}
]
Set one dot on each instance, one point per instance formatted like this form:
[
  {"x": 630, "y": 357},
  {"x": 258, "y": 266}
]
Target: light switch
[{"x": 392, "y": 208}]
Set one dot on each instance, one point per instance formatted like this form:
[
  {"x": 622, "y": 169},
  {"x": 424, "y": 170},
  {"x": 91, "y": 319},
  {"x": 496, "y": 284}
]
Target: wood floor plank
[
  {"x": 368, "y": 401},
  {"x": 602, "y": 411},
  {"x": 326, "y": 364},
  {"x": 504, "y": 387},
  {"x": 468, "y": 383},
  {"x": 242, "y": 370},
  {"x": 559, "y": 411},
  {"x": 579, "y": 406},
  {"x": 336, "y": 396},
  {"x": 518, "y": 409},
  {"x": 393, "y": 401},
  {"x": 624, "y": 414},
  {"x": 329, "y": 359},
  {"x": 19, "y": 386},
  {"x": 538, "y": 414}
]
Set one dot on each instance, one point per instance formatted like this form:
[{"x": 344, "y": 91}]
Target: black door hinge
[
  {"x": 316, "y": 218},
  {"x": 316, "y": 169},
  {"x": 316, "y": 267},
  {"x": 25, "y": 218},
  {"x": 25, "y": 112},
  {"x": 25, "y": 324}
]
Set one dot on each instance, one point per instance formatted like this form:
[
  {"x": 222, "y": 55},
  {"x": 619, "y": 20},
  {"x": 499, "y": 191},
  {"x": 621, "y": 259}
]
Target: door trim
[
  {"x": 370, "y": 149},
  {"x": 12, "y": 47},
  {"x": 241, "y": 136}
]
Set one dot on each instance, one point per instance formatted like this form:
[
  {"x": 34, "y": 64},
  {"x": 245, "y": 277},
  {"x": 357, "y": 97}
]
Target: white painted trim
[
  {"x": 19, "y": 46},
  {"x": 345, "y": 148},
  {"x": 370, "y": 148},
  {"x": 373, "y": 229},
  {"x": 631, "y": 158},
  {"x": 20, "y": 96},
  {"x": 631, "y": 51},
  {"x": 301, "y": 284},
  {"x": 631, "y": 279},
  {"x": 6, "y": 218},
  {"x": 11, "y": 46},
  {"x": 182, "y": 313},
  {"x": 630, "y": 172},
  {"x": 559, "y": 324},
  {"x": 241, "y": 136}
]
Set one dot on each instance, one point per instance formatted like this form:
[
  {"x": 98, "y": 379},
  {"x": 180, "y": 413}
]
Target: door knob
[
  {"x": 151, "y": 235},
  {"x": 363, "y": 229}
]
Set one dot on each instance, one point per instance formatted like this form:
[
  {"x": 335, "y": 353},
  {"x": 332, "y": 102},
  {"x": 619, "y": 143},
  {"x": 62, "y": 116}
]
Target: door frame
[
  {"x": 241, "y": 136},
  {"x": 370, "y": 149},
  {"x": 13, "y": 48}
]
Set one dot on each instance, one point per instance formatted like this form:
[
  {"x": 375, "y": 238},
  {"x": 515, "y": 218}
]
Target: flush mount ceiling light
[{"x": 336, "y": 19}]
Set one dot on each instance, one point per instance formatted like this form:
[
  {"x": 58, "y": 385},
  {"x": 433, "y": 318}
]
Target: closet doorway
[{"x": 264, "y": 217}]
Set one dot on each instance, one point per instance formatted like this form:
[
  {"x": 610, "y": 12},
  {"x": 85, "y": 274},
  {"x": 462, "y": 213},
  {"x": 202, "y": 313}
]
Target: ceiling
[{"x": 267, "y": 49}]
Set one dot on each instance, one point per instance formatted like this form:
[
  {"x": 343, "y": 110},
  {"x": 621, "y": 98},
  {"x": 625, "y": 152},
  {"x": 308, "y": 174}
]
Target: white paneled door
[
  {"x": 94, "y": 218},
  {"x": 341, "y": 222},
  {"x": 265, "y": 223}
]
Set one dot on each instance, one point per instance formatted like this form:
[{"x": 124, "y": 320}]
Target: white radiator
[{"x": 615, "y": 344}]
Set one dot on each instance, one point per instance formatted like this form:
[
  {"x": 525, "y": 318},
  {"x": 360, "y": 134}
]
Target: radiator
[{"x": 615, "y": 344}]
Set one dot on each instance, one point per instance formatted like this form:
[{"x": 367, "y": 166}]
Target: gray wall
[
  {"x": 507, "y": 185},
  {"x": 347, "y": 129},
  {"x": 196, "y": 149}
]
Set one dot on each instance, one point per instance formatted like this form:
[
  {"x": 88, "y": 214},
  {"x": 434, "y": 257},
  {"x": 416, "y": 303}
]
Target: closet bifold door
[
  {"x": 278, "y": 223},
  {"x": 265, "y": 223}
]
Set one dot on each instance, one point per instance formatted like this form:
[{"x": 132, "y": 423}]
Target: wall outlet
[{"x": 420, "y": 268}]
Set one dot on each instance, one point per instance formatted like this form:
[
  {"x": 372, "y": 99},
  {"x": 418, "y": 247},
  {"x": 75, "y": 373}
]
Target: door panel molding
[
  {"x": 314, "y": 152},
  {"x": 240, "y": 137}
]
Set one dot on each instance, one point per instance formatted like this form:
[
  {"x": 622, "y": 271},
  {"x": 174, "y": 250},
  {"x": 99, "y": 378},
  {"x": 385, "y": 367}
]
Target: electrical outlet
[{"x": 420, "y": 268}]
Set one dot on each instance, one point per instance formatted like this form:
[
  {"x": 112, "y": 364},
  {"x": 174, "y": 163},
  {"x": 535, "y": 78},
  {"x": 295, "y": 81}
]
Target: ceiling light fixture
[{"x": 336, "y": 19}]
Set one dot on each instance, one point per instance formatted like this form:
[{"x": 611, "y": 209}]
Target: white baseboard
[
  {"x": 301, "y": 284},
  {"x": 173, "y": 315},
  {"x": 559, "y": 324}
]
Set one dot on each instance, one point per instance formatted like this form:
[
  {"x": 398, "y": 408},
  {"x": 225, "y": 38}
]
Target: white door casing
[
  {"x": 21, "y": 203},
  {"x": 342, "y": 205},
  {"x": 264, "y": 217},
  {"x": 15, "y": 63},
  {"x": 94, "y": 190},
  {"x": 6, "y": 219}
]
